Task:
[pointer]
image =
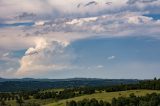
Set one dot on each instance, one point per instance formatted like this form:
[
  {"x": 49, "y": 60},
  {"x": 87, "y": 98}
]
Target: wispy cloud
[
  {"x": 100, "y": 66},
  {"x": 111, "y": 57}
]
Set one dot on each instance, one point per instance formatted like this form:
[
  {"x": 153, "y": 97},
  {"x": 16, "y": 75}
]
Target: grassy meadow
[{"x": 106, "y": 96}]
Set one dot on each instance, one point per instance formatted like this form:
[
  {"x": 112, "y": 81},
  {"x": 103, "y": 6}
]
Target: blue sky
[
  {"x": 16, "y": 24},
  {"x": 67, "y": 39},
  {"x": 132, "y": 57}
]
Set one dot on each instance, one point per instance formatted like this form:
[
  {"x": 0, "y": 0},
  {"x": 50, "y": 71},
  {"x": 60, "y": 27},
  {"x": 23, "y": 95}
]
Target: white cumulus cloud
[{"x": 51, "y": 55}]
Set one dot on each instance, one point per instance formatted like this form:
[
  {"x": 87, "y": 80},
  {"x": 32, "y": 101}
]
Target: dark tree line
[
  {"x": 148, "y": 100},
  {"x": 65, "y": 94},
  {"x": 25, "y": 95},
  {"x": 87, "y": 102},
  {"x": 19, "y": 102},
  {"x": 14, "y": 96},
  {"x": 145, "y": 84}
]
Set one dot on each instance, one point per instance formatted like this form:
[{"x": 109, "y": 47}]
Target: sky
[{"x": 114, "y": 39}]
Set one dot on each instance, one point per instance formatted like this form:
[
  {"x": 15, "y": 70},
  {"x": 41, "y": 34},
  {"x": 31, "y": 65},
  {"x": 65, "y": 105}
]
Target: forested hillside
[{"x": 8, "y": 85}]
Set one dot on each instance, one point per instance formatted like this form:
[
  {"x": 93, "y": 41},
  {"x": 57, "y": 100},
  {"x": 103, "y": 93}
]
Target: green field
[{"x": 106, "y": 96}]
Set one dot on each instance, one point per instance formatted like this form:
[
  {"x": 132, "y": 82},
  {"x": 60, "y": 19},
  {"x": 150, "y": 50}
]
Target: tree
[
  {"x": 155, "y": 78},
  {"x": 20, "y": 101},
  {"x": 2, "y": 103},
  {"x": 72, "y": 103},
  {"x": 107, "y": 104},
  {"x": 114, "y": 102},
  {"x": 101, "y": 103}
]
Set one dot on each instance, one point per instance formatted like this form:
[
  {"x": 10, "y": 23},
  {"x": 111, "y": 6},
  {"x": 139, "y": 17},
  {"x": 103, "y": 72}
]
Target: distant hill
[
  {"x": 50, "y": 80},
  {"x": 7, "y": 85}
]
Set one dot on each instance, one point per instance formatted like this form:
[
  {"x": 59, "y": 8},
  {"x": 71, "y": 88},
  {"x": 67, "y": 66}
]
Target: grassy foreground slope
[{"x": 106, "y": 96}]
